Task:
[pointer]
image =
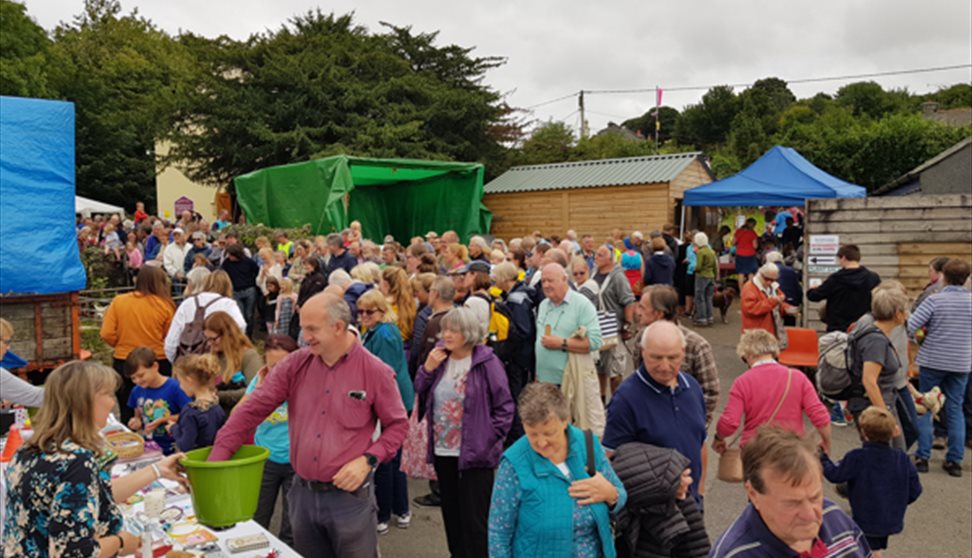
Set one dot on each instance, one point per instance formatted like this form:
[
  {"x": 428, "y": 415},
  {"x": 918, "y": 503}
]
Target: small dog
[{"x": 722, "y": 299}]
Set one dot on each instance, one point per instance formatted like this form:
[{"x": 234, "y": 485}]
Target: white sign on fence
[
  {"x": 822, "y": 260},
  {"x": 824, "y": 244}
]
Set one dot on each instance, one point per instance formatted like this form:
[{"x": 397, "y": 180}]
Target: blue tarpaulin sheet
[
  {"x": 38, "y": 241},
  {"x": 780, "y": 178}
]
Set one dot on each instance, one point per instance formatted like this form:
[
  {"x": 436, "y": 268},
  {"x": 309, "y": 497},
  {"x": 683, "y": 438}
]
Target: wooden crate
[{"x": 47, "y": 328}]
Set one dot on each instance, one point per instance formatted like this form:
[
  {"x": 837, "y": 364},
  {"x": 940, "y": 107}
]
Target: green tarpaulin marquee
[{"x": 400, "y": 197}]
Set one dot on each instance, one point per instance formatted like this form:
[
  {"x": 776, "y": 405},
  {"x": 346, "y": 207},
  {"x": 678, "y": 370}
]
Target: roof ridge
[{"x": 616, "y": 160}]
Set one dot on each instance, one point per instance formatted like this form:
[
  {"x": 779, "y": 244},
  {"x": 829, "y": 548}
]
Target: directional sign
[
  {"x": 824, "y": 244},
  {"x": 823, "y": 260},
  {"x": 823, "y": 269}
]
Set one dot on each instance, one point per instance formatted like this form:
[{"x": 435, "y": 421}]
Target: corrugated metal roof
[{"x": 592, "y": 174}]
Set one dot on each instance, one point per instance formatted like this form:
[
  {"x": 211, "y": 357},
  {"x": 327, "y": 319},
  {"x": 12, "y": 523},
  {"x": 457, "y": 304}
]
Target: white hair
[
  {"x": 768, "y": 268},
  {"x": 701, "y": 239},
  {"x": 340, "y": 278}
]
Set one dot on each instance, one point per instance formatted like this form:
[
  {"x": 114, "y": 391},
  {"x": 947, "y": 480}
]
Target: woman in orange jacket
[
  {"x": 140, "y": 318},
  {"x": 763, "y": 303}
]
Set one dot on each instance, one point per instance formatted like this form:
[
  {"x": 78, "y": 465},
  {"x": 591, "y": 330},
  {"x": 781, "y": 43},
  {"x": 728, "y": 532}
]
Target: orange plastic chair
[{"x": 802, "y": 348}]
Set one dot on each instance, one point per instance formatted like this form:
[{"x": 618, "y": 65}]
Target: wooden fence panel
[{"x": 898, "y": 236}]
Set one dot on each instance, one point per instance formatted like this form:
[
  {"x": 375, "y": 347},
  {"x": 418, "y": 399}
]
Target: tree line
[{"x": 321, "y": 85}]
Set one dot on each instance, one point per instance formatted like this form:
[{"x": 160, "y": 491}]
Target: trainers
[
  {"x": 403, "y": 521},
  {"x": 938, "y": 443},
  {"x": 428, "y": 501},
  {"x": 921, "y": 465},
  {"x": 952, "y": 468},
  {"x": 382, "y": 527}
]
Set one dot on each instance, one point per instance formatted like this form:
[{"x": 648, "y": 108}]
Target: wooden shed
[
  {"x": 898, "y": 235},
  {"x": 594, "y": 197}
]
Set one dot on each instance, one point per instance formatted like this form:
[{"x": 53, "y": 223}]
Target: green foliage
[
  {"x": 248, "y": 233},
  {"x": 645, "y": 124},
  {"x": 868, "y": 99},
  {"x": 708, "y": 123},
  {"x": 322, "y": 85},
  {"x": 958, "y": 95},
  {"x": 550, "y": 142},
  {"x": 610, "y": 146},
  {"x": 23, "y": 53},
  {"x": 125, "y": 78},
  {"x": 102, "y": 269}
]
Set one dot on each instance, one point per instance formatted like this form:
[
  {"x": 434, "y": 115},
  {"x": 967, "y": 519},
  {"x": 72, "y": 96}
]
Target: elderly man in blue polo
[{"x": 659, "y": 404}]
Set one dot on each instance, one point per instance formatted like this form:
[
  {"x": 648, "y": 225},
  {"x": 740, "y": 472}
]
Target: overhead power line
[{"x": 790, "y": 81}]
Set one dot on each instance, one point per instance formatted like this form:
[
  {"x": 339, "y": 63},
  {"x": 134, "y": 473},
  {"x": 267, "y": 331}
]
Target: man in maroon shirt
[{"x": 336, "y": 393}]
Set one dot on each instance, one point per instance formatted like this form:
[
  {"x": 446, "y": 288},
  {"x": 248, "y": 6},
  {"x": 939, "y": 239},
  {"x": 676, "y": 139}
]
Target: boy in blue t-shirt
[
  {"x": 881, "y": 480},
  {"x": 156, "y": 400}
]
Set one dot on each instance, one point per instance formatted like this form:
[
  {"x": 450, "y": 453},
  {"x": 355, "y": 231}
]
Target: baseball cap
[
  {"x": 178, "y": 230},
  {"x": 475, "y": 265},
  {"x": 199, "y": 234}
]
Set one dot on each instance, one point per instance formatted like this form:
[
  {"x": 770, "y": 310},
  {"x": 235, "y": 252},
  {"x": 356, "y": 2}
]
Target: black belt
[{"x": 316, "y": 486}]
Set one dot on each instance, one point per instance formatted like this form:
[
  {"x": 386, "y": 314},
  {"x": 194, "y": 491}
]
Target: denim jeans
[
  {"x": 391, "y": 489},
  {"x": 907, "y": 417},
  {"x": 953, "y": 386},
  {"x": 246, "y": 300},
  {"x": 704, "y": 287}
]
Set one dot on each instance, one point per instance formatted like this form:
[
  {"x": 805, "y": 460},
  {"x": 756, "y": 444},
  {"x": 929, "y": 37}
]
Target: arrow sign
[{"x": 823, "y": 260}]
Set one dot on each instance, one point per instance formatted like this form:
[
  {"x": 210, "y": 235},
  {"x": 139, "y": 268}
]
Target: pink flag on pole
[{"x": 658, "y": 96}]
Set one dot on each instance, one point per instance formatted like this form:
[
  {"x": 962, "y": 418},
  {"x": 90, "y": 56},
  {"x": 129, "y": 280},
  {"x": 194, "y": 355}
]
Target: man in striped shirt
[
  {"x": 945, "y": 360},
  {"x": 787, "y": 515}
]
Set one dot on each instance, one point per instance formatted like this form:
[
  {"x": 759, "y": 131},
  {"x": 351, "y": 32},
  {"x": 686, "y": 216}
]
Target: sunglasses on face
[
  {"x": 579, "y": 274},
  {"x": 368, "y": 311}
]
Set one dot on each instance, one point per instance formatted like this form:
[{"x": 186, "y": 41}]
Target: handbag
[
  {"x": 606, "y": 320},
  {"x": 416, "y": 446},
  {"x": 730, "y": 462}
]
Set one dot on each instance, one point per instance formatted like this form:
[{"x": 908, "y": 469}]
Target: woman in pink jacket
[{"x": 769, "y": 393}]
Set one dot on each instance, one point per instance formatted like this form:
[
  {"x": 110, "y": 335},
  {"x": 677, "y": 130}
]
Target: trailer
[{"x": 41, "y": 272}]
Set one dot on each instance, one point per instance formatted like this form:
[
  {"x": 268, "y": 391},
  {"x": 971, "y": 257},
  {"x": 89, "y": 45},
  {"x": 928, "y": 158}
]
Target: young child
[
  {"x": 157, "y": 400},
  {"x": 284, "y": 309},
  {"x": 881, "y": 480},
  {"x": 203, "y": 417}
]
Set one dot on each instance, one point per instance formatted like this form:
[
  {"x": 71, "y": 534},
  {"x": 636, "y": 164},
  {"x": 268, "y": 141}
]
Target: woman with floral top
[
  {"x": 61, "y": 500},
  {"x": 469, "y": 411}
]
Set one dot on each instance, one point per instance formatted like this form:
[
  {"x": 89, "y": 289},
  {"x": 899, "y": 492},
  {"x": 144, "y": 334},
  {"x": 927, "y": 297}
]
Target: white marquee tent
[{"x": 87, "y": 207}]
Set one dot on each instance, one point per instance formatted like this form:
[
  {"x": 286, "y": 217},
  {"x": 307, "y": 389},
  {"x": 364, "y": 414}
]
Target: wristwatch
[
  {"x": 372, "y": 460},
  {"x": 563, "y": 346}
]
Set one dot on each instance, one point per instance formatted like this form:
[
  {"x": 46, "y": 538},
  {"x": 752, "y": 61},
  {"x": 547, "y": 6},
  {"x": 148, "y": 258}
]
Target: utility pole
[
  {"x": 657, "y": 110},
  {"x": 583, "y": 117}
]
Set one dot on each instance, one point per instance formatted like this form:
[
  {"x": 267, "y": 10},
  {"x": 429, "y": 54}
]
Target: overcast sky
[{"x": 554, "y": 48}]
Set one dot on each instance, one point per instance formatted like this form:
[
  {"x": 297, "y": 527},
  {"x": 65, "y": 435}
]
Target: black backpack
[{"x": 192, "y": 340}]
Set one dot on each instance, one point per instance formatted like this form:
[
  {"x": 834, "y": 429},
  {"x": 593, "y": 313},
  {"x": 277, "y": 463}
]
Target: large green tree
[
  {"x": 707, "y": 124},
  {"x": 322, "y": 85},
  {"x": 23, "y": 53},
  {"x": 645, "y": 124},
  {"x": 550, "y": 142},
  {"x": 126, "y": 79}
]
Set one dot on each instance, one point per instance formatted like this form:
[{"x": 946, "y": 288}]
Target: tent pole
[{"x": 681, "y": 230}]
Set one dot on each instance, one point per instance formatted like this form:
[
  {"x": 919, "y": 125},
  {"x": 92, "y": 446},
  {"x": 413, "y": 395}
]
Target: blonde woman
[
  {"x": 60, "y": 499},
  {"x": 383, "y": 340},
  {"x": 398, "y": 291},
  {"x": 239, "y": 360}
]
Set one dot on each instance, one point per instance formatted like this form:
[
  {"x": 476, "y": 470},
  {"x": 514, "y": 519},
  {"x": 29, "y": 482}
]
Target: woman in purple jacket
[{"x": 469, "y": 410}]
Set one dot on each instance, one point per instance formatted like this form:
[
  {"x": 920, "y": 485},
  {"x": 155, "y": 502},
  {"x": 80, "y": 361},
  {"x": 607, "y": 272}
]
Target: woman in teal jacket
[
  {"x": 544, "y": 502},
  {"x": 383, "y": 339}
]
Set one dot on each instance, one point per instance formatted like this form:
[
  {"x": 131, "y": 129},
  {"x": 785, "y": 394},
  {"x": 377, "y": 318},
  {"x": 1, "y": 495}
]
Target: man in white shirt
[{"x": 174, "y": 257}]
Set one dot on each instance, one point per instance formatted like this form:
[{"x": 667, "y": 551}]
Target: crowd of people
[{"x": 544, "y": 385}]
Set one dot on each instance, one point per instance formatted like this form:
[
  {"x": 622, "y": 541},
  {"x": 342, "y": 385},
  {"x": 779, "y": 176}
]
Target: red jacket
[{"x": 757, "y": 308}]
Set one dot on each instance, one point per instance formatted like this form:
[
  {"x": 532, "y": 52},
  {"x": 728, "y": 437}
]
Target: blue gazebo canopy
[{"x": 780, "y": 178}]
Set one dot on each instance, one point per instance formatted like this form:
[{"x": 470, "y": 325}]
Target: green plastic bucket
[{"x": 225, "y": 492}]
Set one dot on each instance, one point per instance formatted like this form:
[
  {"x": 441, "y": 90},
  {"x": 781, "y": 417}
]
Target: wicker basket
[{"x": 126, "y": 445}]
